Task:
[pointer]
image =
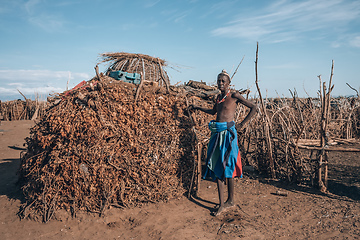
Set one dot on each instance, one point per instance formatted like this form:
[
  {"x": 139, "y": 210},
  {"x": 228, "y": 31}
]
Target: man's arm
[
  {"x": 247, "y": 103},
  {"x": 211, "y": 111}
]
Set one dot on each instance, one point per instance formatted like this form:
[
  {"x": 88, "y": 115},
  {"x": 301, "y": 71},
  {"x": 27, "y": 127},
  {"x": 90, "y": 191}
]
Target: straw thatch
[{"x": 151, "y": 68}]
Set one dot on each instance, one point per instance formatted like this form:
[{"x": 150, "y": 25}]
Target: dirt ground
[{"x": 259, "y": 213}]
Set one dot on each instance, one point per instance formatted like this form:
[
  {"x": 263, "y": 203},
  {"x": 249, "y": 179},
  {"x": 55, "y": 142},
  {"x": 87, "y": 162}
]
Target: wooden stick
[
  {"x": 327, "y": 116},
  {"x": 22, "y": 94},
  {"x": 237, "y": 69},
  {"x": 36, "y": 113},
  {"x": 139, "y": 88},
  {"x": 266, "y": 127},
  {"x": 326, "y": 169},
  {"x": 196, "y": 139},
  {"x": 339, "y": 149},
  {"x": 357, "y": 93},
  {"x": 199, "y": 149},
  {"x": 322, "y": 134},
  {"x": 162, "y": 76},
  {"x": 97, "y": 72}
]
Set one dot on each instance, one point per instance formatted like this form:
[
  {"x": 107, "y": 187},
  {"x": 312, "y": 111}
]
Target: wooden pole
[
  {"x": 237, "y": 68},
  {"x": 322, "y": 137},
  {"x": 326, "y": 169},
  {"x": 325, "y": 115},
  {"x": 139, "y": 87},
  {"x": 97, "y": 72},
  {"x": 162, "y": 76},
  {"x": 196, "y": 140},
  {"x": 266, "y": 120},
  {"x": 199, "y": 149}
]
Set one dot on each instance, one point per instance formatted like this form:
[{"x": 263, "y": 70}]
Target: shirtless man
[{"x": 223, "y": 156}]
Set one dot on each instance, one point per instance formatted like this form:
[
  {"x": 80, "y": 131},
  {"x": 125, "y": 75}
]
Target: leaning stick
[
  {"x": 317, "y": 148},
  {"x": 267, "y": 122},
  {"x": 97, "y": 72},
  {"x": 162, "y": 75},
  {"x": 139, "y": 87},
  {"x": 237, "y": 68},
  {"x": 22, "y": 94},
  {"x": 327, "y": 121},
  {"x": 199, "y": 149},
  {"x": 357, "y": 93},
  {"x": 196, "y": 138}
]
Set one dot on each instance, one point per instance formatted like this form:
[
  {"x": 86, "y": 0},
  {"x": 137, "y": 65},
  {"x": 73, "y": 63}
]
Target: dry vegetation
[
  {"x": 21, "y": 110},
  {"x": 115, "y": 144}
]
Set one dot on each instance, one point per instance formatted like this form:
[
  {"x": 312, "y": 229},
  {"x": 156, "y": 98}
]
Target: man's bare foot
[
  {"x": 229, "y": 204},
  {"x": 221, "y": 209},
  {"x": 218, "y": 211}
]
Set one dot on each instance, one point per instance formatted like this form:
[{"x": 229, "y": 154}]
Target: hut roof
[{"x": 151, "y": 68}]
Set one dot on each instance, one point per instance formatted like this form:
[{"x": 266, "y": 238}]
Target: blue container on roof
[{"x": 126, "y": 77}]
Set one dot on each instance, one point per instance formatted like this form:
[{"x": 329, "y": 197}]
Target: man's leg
[
  {"x": 230, "y": 201},
  {"x": 220, "y": 186}
]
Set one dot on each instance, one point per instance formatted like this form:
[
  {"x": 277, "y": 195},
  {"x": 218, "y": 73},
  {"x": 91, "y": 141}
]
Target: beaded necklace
[{"x": 218, "y": 101}]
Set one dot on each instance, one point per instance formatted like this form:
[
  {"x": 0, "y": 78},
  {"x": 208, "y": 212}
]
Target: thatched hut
[{"x": 150, "y": 68}]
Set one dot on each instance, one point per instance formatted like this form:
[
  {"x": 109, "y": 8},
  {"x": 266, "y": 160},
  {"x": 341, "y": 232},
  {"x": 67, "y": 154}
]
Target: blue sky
[{"x": 47, "y": 45}]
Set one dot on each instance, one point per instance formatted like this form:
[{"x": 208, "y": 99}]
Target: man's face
[{"x": 223, "y": 83}]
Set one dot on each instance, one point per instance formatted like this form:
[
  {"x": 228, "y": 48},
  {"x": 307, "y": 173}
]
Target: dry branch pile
[
  {"x": 272, "y": 141},
  {"x": 21, "y": 110},
  {"x": 295, "y": 128},
  {"x": 97, "y": 148}
]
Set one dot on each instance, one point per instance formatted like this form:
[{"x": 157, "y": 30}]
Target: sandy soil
[{"x": 259, "y": 213}]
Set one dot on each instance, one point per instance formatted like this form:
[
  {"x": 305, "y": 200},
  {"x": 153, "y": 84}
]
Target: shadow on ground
[
  {"x": 8, "y": 179},
  {"x": 344, "y": 181}
]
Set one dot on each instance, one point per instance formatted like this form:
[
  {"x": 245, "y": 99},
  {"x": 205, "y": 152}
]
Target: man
[{"x": 223, "y": 156}]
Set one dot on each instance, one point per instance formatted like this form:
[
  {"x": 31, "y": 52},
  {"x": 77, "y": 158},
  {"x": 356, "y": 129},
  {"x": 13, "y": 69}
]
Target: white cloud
[
  {"x": 355, "y": 42},
  {"x": 30, "y": 91},
  {"x": 31, "y": 5},
  {"x": 174, "y": 15},
  {"x": 336, "y": 44},
  {"x": 180, "y": 17},
  {"x": 7, "y": 91},
  {"x": 219, "y": 9},
  {"x": 40, "y": 75},
  {"x": 39, "y": 16},
  {"x": 288, "y": 20},
  {"x": 32, "y": 82},
  {"x": 40, "y": 93},
  {"x": 48, "y": 23},
  {"x": 150, "y": 3},
  {"x": 16, "y": 84}
]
